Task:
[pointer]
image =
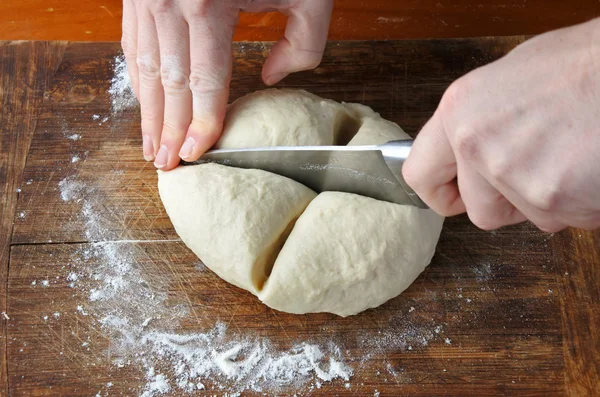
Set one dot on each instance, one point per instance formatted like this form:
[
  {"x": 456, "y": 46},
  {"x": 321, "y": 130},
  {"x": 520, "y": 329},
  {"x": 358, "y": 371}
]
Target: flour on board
[
  {"x": 121, "y": 92},
  {"x": 131, "y": 308}
]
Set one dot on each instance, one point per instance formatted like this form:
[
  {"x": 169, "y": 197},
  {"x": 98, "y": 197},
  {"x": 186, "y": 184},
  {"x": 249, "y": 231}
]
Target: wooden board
[
  {"x": 100, "y": 20},
  {"x": 26, "y": 69},
  {"x": 511, "y": 312}
]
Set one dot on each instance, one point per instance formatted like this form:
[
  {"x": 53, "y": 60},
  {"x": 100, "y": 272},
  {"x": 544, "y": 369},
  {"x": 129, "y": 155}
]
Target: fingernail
[
  {"x": 275, "y": 78},
  {"x": 187, "y": 148},
  {"x": 162, "y": 157},
  {"x": 147, "y": 147}
]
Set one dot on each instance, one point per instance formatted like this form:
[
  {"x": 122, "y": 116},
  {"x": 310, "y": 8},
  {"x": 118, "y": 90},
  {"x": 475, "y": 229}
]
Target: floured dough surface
[
  {"x": 233, "y": 219},
  {"x": 348, "y": 253},
  {"x": 297, "y": 251}
]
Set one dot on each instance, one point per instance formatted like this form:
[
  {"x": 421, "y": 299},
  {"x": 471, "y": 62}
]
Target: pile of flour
[{"x": 121, "y": 92}]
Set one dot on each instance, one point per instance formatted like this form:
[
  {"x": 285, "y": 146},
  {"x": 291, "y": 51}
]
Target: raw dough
[
  {"x": 233, "y": 219},
  {"x": 299, "y": 252}
]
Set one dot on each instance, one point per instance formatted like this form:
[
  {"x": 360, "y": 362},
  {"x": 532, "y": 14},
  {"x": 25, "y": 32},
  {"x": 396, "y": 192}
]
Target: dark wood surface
[
  {"x": 519, "y": 307},
  {"x": 25, "y": 73},
  {"x": 100, "y": 20}
]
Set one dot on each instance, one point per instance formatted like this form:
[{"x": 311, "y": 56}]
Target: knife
[{"x": 373, "y": 170}]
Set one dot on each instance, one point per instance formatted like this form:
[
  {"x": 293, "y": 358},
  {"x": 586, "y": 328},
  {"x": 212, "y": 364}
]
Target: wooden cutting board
[{"x": 510, "y": 312}]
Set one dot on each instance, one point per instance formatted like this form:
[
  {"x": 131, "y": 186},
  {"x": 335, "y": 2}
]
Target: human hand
[
  {"x": 519, "y": 138},
  {"x": 179, "y": 56}
]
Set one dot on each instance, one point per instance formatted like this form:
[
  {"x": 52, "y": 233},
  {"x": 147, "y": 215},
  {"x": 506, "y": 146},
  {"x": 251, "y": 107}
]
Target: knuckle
[
  {"x": 312, "y": 62},
  {"x": 200, "y": 8},
  {"x": 172, "y": 129},
  {"x": 148, "y": 67},
  {"x": 203, "y": 82},
  {"x": 499, "y": 168},
  {"x": 162, "y": 6},
  {"x": 309, "y": 60},
  {"x": 455, "y": 94},
  {"x": 149, "y": 116},
  {"x": 466, "y": 142},
  {"x": 547, "y": 198},
  {"x": 173, "y": 80}
]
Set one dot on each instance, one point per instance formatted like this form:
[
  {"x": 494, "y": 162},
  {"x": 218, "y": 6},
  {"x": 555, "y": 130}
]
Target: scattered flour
[
  {"x": 133, "y": 310},
  {"x": 71, "y": 189},
  {"x": 121, "y": 92},
  {"x": 483, "y": 272}
]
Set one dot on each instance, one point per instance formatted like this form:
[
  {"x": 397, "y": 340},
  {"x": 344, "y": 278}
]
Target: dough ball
[
  {"x": 279, "y": 118},
  {"x": 373, "y": 129},
  {"x": 339, "y": 252},
  {"x": 234, "y": 220},
  {"x": 348, "y": 253}
]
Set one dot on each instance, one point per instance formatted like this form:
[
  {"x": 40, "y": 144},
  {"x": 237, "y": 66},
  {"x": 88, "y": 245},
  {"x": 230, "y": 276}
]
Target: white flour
[
  {"x": 131, "y": 308},
  {"x": 121, "y": 93}
]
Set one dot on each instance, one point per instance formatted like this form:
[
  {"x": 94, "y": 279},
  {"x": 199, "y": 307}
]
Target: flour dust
[
  {"x": 130, "y": 303},
  {"x": 121, "y": 92}
]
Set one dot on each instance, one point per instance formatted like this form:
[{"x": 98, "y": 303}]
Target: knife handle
[
  {"x": 395, "y": 154},
  {"x": 398, "y": 150}
]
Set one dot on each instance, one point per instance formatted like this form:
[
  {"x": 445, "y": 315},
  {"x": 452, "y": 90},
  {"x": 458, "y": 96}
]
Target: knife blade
[{"x": 372, "y": 170}]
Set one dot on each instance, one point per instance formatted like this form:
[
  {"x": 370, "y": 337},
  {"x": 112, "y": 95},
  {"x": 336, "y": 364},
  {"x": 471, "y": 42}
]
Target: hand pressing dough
[{"x": 297, "y": 251}]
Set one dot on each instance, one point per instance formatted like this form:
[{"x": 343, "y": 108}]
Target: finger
[
  {"x": 150, "y": 89},
  {"x": 129, "y": 43},
  {"x": 210, "y": 73},
  {"x": 545, "y": 221},
  {"x": 304, "y": 42},
  {"x": 431, "y": 169},
  {"x": 487, "y": 208},
  {"x": 548, "y": 221},
  {"x": 174, "y": 71}
]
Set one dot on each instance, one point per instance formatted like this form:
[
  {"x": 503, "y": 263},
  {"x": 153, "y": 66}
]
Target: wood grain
[
  {"x": 25, "y": 72},
  {"x": 578, "y": 255},
  {"x": 100, "y": 20},
  {"x": 504, "y": 330},
  {"x": 516, "y": 323}
]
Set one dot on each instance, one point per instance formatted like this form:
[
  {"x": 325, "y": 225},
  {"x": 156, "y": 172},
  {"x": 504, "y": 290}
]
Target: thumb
[
  {"x": 304, "y": 42},
  {"x": 431, "y": 169}
]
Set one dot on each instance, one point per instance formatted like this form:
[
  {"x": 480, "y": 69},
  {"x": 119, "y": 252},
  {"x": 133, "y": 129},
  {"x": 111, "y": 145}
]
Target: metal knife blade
[{"x": 374, "y": 170}]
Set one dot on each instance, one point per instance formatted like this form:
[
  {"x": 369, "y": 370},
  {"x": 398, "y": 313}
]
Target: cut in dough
[
  {"x": 297, "y": 251},
  {"x": 348, "y": 253}
]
